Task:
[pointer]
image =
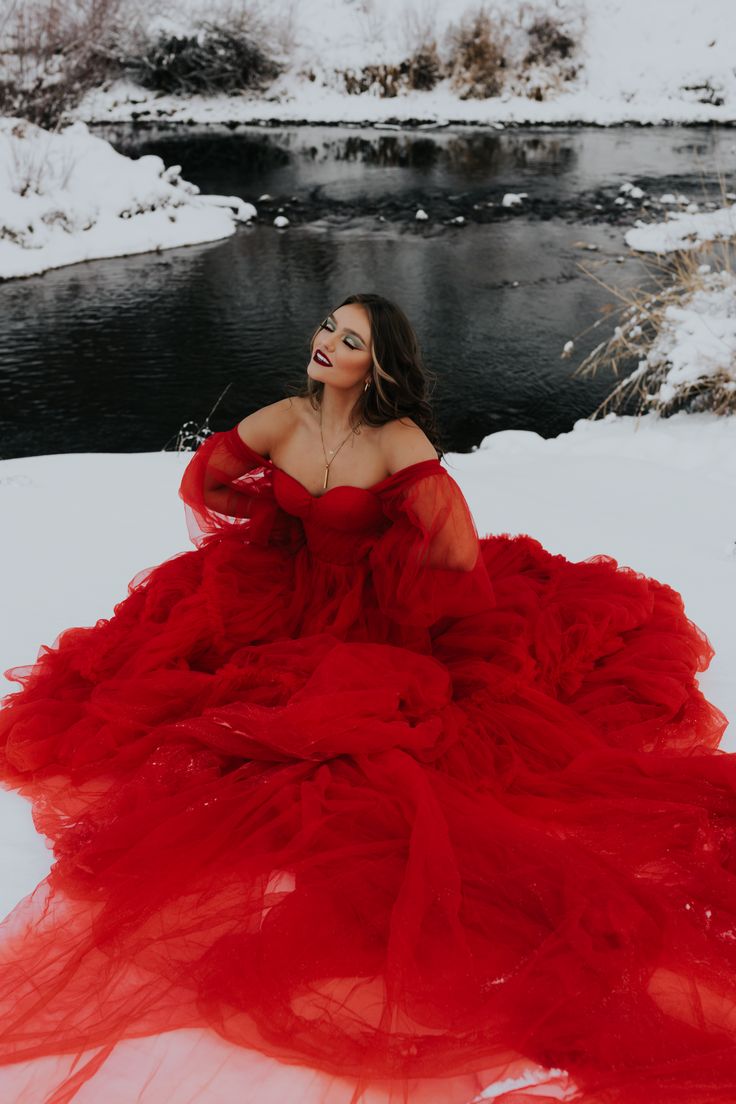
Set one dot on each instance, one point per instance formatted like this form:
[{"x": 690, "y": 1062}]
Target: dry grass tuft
[
  {"x": 643, "y": 345},
  {"x": 421, "y": 71},
  {"x": 477, "y": 61},
  {"x": 525, "y": 49}
]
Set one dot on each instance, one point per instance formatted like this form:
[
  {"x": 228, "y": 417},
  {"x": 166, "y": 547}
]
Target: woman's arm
[
  {"x": 261, "y": 431},
  {"x": 215, "y": 487},
  {"x": 454, "y": 541}
]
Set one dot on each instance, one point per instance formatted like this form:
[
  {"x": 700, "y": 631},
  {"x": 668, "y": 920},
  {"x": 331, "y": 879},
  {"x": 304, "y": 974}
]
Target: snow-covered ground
[
  {"x": 68, "y": 197},
  {"x": 638, "y": 61},
  {"x": 656, "y": 494}
]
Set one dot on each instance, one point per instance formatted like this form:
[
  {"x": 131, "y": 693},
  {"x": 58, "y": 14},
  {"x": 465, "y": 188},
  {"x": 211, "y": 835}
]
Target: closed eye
[{"x": 326, "y": 325}]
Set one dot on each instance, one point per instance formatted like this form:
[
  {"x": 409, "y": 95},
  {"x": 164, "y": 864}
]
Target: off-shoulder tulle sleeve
[
  {"x": 427, "y": 564},
  {"x": 227, "y": 487}
]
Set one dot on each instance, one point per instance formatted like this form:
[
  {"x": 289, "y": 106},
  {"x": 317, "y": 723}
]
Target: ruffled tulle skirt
[{"x": 303, "y": 852}]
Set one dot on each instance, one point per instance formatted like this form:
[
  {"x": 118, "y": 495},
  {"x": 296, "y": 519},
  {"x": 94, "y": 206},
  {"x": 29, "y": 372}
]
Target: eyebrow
[{"x": 349, "y": 331}]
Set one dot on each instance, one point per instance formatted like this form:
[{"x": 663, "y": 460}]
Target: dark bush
[
  {"x": 425, "y": 68},
  {"x": 218, "y": 59},
  {"x": 548, "y": 42}
]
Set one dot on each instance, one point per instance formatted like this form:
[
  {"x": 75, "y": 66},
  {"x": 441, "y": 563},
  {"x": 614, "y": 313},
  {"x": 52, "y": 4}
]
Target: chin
[{"x": 316, "y": 371}]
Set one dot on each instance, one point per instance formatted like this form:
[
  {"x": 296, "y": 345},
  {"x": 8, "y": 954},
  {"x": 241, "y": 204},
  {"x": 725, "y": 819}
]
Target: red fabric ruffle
[{"x": 363, "y": 793}]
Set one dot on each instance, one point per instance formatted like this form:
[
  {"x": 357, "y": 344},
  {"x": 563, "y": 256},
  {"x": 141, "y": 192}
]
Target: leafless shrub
[
  {"x": 547, "y": 54},
  {"x": 32, "y": 169},
  {"x": 421, "y": 71},
  {"x": 53, "y": 51},
  {"x": 424, "y": 66},
  {"x": 370, "y": 20},
  {"x": 477, "y": 49}
]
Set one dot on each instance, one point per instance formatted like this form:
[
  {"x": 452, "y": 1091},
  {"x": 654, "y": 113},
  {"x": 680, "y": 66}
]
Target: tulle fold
[{"x": 380, "y": 812}]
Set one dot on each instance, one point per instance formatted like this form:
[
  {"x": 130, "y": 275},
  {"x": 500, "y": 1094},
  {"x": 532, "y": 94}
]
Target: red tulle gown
[{"x": 348, "y": 804}]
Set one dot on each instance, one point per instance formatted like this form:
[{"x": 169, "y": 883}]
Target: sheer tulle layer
[{"x": 409, "y": 858}]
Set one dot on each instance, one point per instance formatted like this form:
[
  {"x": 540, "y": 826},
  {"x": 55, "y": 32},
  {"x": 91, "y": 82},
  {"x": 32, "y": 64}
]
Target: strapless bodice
[
  {"x": 340, "y": 524},
  {"x": 260, "y": 502},
  {"x": 345, "y": 508}
]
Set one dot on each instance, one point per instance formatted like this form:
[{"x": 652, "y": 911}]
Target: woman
[{"x": 364, "y": 806}]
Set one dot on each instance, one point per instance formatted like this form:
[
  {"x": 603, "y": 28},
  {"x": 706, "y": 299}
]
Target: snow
[
  {"x": 69, "y": 196},
  {"x": 639, "y": 61},
  {"x": 513, "y": 199},
  {"x": 697, "y": 339},
  {"x": 682, "y": 230}
]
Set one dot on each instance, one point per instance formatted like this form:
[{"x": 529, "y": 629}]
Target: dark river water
[{"x": 118, "y": 355}]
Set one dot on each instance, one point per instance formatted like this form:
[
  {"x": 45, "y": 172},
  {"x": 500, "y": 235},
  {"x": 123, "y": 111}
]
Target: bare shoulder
[
  {"x": 265, "y": 427},
  {"x": 403, "y": 442}
]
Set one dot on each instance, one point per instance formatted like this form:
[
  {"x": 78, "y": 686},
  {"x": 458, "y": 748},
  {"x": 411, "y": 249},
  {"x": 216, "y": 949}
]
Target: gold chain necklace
[{"x": 333, "y": 451}]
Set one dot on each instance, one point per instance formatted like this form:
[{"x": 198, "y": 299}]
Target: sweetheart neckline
[
  {"x": 349, "y": 486},
  {"x": 341, "y": 486}
]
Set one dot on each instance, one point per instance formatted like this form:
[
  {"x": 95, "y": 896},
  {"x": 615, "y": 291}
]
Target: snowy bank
[
  {"x": 633, "y": 62},
  {"x": 653, "y": 493},
  {"x": 69, "y": 196}
]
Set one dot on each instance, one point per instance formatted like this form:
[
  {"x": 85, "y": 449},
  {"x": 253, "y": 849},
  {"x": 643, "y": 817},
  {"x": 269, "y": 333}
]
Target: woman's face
[{"x": 345, "y": 339}]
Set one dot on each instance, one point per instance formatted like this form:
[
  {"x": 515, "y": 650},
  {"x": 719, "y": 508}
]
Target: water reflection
[{"x": 116, "y": 355}]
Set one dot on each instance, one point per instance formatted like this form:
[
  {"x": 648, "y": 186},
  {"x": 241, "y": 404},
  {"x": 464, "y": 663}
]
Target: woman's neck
[{"x": 335, "y": 408}]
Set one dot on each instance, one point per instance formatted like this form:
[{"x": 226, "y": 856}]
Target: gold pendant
[{"x": 325, "y": 482}]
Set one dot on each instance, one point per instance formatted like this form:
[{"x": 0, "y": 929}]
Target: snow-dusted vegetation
[
  {"x": 681, "y": 340},
  {"x": 675, "y": 346},
  {"x": 369, "y": 60}
]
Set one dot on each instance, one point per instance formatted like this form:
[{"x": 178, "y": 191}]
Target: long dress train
[{"x": 366, "y": 807}]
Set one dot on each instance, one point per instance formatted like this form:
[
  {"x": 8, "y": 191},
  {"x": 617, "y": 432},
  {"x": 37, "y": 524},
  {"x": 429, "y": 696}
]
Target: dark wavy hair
[{"x": 400, "y": 386}]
